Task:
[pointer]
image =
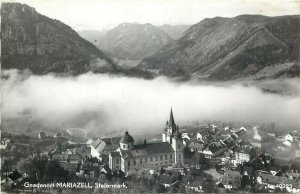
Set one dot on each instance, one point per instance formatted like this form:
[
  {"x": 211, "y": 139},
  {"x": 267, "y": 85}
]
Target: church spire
[{"x": 172, "y": 121}]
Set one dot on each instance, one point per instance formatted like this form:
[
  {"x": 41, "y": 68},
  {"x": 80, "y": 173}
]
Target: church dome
[{"x": 126, "y": 138}]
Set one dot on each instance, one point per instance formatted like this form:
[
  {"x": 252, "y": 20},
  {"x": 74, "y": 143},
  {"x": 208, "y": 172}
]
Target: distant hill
[
  {"x": 42, "y": 45},
  {"x": 230, "y": 48},
  {"x": 133, "y": 41},
  {"x": 174, "y": 31}
]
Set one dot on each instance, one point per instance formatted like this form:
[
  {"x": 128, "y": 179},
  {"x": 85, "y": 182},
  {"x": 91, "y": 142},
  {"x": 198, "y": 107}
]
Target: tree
[
  {"x": 160, "y": 189},
  {"x": 6, "y": 167},
  {"x": 252, "y": 153},
  {"x": 202, "y": 160},
  {"x": 40, "y": 169}
]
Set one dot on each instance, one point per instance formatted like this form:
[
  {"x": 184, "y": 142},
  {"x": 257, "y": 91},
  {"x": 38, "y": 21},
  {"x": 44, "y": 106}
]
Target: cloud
[{"x": 99, "y": 102}]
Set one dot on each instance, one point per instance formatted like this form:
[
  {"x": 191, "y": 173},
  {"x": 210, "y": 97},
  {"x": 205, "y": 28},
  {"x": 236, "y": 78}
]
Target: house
[
  {"x": 106, "y": 170},
  {"x": 196, "y": 185},
  {"x": 239, "y": 131},
  {"x": 207, "y": 136},
  {"x": 273, "y": 170},
  {"x": 226, "y": 128},
  {"x": 186, "y": 136},
  {"x": 289, "y": 137},
  {"x": 60, "y": 157},
  {"x": 13, "y": 178},
  {"x": 74, "y": 158},
  {"x": 199, "y": 136},
  {"x": 196, "y": 147},
  {"x": 271, "y": 134},
  {"x": 242, "y": 129},
  {"x": 70, "y": 151},
  {"x": 229, "y": 141},
  {"x": 231, "y": 180},
  {"x": 287, "y": 143},
  {"x": 166, "y": 180},
  {"x": 207, "y": 153},
  {"x": 5, "y": 142},
  {"x": 89, "y": 167},
  {"x": 115, "y": 160},
  {"x": 102, "y": 147},
  {"x": 213, "y": 129},
  {"x": 214, "y": 149},
  {"x": 242, "y": 154},
  {"x": 179, "y": 168},
  {"x": 42, "y": 135},
  {"x": 225, "y": 157},
  {"x": 189, "y": 138}
]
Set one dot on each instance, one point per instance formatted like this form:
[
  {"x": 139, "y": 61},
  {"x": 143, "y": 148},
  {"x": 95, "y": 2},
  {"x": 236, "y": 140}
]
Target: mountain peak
[
  {"x": 228, "y": 48},
  {"x": 133, "y": 41},
  {"x": 36, "y": 42}
]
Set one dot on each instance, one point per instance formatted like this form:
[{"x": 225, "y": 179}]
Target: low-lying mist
[{"x": 99, "y": 103}]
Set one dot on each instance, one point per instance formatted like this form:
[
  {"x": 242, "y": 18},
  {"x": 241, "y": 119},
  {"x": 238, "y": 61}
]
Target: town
[{"x": 213, "y": 158}]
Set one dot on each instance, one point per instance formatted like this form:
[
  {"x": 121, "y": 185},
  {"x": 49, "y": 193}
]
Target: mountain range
[
  {"x": 230, "y": 48},
  {"x": 132, "y": 41},
  {"x": 43, "y": 45},
  {"x": 246, "y": 46}
]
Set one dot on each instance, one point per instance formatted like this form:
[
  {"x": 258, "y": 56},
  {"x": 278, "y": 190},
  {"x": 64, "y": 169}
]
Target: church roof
[
  {"x": 127, "y": 138},
  {"x": 148, "y": 149},
  {"x": 152, "y": 148}
]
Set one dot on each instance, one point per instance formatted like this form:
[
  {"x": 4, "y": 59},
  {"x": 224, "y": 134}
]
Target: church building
[{"x": 130, "y": 156}]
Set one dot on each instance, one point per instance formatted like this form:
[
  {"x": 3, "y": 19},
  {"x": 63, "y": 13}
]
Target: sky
[{"x": 106, "y": 14}]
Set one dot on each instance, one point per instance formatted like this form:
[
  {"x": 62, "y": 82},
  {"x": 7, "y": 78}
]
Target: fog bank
[{"x": 98, "y": 102}]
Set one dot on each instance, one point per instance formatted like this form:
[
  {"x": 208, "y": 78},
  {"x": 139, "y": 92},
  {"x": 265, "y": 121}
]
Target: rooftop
[
  {"x": 127, "y": 138},
  {"x": 148, "y": 149}
]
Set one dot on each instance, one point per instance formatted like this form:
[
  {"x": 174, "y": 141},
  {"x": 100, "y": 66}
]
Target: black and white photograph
[{"x": 150, "y": 96}]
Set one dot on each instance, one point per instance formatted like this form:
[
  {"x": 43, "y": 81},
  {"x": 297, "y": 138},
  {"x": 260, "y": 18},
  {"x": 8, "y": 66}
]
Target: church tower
[
  {"x": 170, "y": 129},
  {"x": 172, "y": 135}
]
